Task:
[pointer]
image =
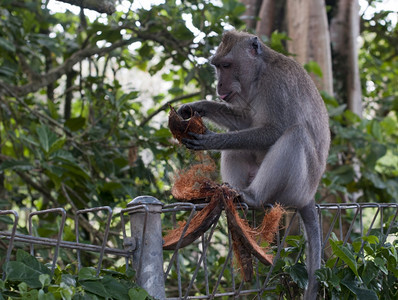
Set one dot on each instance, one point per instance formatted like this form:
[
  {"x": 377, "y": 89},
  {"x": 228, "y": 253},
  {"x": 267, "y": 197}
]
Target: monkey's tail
[{"x": 309, "y": 216}]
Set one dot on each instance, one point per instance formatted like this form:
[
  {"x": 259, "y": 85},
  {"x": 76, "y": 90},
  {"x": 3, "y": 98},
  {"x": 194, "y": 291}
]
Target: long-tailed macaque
[{"x": 278, "y": 135}]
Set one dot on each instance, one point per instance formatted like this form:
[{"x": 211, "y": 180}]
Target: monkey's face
[
  {"x": 237, "y": 64},
  {"x": 228, "y": 85},
  {"x": 235, "y": 75}
]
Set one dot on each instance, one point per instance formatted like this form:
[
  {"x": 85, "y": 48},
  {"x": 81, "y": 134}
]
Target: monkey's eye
[{"x": 225, "y": 65}]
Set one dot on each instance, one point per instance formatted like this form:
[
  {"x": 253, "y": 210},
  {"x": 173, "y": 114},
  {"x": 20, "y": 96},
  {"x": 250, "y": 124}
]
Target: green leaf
[
  {"x": 313, "y": 67},
  {"x": 381, "y": 264},
  {"x": 138, "y": 294},
  {"x": 87, "y": 274},
  {"x": 66, "y": 291},
  {"x": 371, "y": 239},
  {"x": 43, "y": 296},
  {"x": 75, "y": 124},
  {"x": 344, "y": 254},
  {"x": 6, "y": 45},
  {"x": 294, "y": 240},
  {"x": 46, "y": 137},
  {"x": 344, "y": 174},
  {"x": 23, "y": 287},
  {"x": 299, "y": 274},
  {"x": 115, "y": 289},
  {"x": 352, "y": 117},
  {"x": 369, "y": 272},
  {"x": 328, "y": 278},
  {"x": 68, "y": 279},
  {"x": 375, "y": 179},
  {"x": 376, "y": 130},
  {"x": 7, "y": 71},
  {"x": 57, "y": 145},
  {"x": 337, "y": 111},
  {"x": 76, "y": 170},
  {"x": 162, "y": 133},
  {"x": 361, "y": 293},
  {"x": 29, "y": 260},
  {"x": 125, "y": 97},
  {"x": 45, "y": 280},
  {"x": 16, "y": 165},
  {"x": 95, "y": 287},
  {"x": 18, "y": 271},
  {"x": 389, "y": 125}
]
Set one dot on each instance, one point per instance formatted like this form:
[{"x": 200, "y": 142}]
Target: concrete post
[{"x": 146, "y": 231}]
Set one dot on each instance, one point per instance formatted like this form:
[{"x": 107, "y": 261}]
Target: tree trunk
[
  {"x": 309, "y": 32},
  {"x": 306, "y": 24},
  {"x": 251, "y": 13},
  {"x": 298, "y": 12},
  {"x": 265, "y": 25},
  {"x": 344, "y": 33},
  {"x": 318, "y": 46}
]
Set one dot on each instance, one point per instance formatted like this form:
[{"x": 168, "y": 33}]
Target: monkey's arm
[
  {"x": 223, "y": 114},
  {"x": 261, "y": 138}
]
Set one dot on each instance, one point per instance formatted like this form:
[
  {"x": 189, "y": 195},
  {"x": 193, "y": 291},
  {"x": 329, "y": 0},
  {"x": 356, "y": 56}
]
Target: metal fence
[{"x": 204, "y": 269}]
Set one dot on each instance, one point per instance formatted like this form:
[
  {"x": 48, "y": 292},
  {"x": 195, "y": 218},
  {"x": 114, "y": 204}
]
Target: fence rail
[{"x": 142, "y": 244}]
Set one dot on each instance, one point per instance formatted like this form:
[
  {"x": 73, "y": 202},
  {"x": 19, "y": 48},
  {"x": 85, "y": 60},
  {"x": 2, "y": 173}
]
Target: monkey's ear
[{"x": 256, "y": 45}]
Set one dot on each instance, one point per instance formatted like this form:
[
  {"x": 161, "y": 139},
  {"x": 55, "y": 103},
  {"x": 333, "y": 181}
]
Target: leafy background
[{"x": 83, "y": 105}]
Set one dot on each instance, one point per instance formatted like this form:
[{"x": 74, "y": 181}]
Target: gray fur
[{"x": 278, "y": 135}]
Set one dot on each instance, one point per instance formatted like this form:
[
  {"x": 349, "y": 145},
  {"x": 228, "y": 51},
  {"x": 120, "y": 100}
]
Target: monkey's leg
[
  {"x": 237, "y": 167},
  {"x": 289, "y": 173},
  {"x": 310, "y": 219}
]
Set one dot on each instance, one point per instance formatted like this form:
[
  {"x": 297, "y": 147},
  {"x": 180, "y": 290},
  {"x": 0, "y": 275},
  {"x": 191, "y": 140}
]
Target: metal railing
[{"x": 205, "y": 269}]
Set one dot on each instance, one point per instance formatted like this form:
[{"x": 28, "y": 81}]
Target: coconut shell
[{"x": 180, "y": 128}]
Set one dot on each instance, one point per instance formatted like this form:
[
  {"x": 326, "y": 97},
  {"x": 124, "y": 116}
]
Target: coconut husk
[
  {"x": 244, "y": 235},
  {"x": 244, "y": 238},
  {"x": 199, "y": 224},
  {"x": 270, "y": 224},
  {"x": 242, "y": 253},
  {"x": 194, "y": 183},
  {"x": 180, "y": 128}
]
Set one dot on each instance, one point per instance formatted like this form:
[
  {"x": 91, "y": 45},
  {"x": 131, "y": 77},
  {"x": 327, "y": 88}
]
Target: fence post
[{"x": 146, "y": 231}]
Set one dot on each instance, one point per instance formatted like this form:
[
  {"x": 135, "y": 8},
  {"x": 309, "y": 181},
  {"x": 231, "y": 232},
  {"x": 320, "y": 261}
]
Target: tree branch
[
  {"x": 55, "y": 73},
  {"x": 45, "y": 192},
  {"x": 101, "y": 6},
  {"x": 39, "y": 115}
]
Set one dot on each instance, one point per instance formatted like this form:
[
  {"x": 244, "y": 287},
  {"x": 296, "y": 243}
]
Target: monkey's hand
[
  {"x": 186, "y": 111},
  {"x": 206, "y": 141}
]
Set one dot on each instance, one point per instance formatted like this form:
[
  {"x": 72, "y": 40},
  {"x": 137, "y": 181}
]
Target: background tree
[{"x": 315, "y": 36}]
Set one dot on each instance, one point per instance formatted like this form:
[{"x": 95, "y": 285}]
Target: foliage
[
  {"x": 88, "y": 139},
  {"x": 27, "y": 278},
  {"x": 362, "y": 157},
  {"x": 366, "y": 269},
  {"x": 92, "y": 143},
  {"x": 363, "y": 160}
]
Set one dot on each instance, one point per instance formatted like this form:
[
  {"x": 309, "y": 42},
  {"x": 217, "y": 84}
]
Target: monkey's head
[{"x": 238, "y": 62}]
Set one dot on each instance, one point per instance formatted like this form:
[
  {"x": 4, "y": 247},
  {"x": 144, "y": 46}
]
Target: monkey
[{"x": 276, "y": 140}]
